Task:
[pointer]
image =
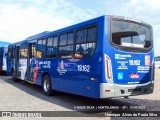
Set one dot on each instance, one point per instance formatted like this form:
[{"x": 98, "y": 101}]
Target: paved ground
[{"x": 22, "y": 96}]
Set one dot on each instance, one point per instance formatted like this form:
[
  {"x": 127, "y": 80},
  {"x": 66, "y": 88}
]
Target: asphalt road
[{"x": 22, "y": 96}]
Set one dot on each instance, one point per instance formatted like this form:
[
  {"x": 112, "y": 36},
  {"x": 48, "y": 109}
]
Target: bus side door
[
  {"x": 16, "y": 62},
  {"x": 31, "y": 61}
]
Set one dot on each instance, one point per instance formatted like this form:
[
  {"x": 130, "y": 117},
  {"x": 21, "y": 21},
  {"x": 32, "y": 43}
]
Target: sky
[{"x": 22, "y": 18}]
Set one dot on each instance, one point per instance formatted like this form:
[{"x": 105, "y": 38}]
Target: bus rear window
[{"x": 129, "y": 34}]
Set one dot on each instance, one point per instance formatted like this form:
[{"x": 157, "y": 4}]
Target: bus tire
[{"x": 47, "y": 86}]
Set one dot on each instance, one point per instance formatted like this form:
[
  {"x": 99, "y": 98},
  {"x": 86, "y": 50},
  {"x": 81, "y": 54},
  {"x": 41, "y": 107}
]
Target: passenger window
[
  {"x": 51, "y": 47},
  {"x": 24, "y": 51},
  {"x": 70, "y": 38},
  {"x": 81, "y": 36},
  {"x": 86, "y": 48},
  {"x": 50, "y": 41},
  {"x": 92, "y": 35},
  {"x": 44, "y": 43},
  {"x": 39, "y": 45},
  {"x": 55, "y": 42},
  {"x": 33, "y": 50},
  {"x": 63, "y": 39},
  {"x": 66, "y": 48},
  {"x": 40, "y": 50},
  {"x": 66, "y": 51}
]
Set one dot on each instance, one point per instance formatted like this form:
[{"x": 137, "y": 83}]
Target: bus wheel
[{"x": 47, "y": 86}]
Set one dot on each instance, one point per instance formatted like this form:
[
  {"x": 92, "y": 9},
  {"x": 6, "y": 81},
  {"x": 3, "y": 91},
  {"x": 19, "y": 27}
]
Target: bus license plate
[{"x": 134, "y": 75}]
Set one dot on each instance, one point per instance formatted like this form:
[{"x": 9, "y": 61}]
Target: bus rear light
[
  {"x": 152, "y": 70},
  {"x": 107, "y": 90},
  {"x": 108, "y": 69}
]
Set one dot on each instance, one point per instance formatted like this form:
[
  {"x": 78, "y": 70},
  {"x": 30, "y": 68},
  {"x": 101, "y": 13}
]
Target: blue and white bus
[
  {"x": 3, "y": 56},
  {"x": 108, "y": 56}
]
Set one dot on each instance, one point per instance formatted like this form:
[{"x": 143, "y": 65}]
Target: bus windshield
[{"x": 130, "y": 34}]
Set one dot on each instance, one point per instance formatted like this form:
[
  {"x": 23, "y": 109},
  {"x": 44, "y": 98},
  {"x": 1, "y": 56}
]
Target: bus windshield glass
[{"x": 130, "y": 34}]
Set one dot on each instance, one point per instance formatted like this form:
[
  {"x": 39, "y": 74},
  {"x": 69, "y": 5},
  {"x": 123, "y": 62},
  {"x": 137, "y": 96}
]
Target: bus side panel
[
  {"x": 46, "y": 66},
  {"x": 76, "y": 76},
  {"x": 79, "y": 77},
  {"x": 83, "y": 76}
]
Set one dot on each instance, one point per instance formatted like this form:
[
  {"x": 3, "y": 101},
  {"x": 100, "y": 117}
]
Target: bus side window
[
  {"x": 40, "y": 49},
  {"x": 91, "y": 41},
  {"x": 85, "y": 43},
  {"x": 51, "y": 49},
  {"x": 66, "y": 45},
  {"x": 43, "y": 47},
  {"x": 80, "y": 46},
  {"x": 33, "y": 51},
  {"x": 23, "y": 51},
  {"x": 92, "y": 34}
]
